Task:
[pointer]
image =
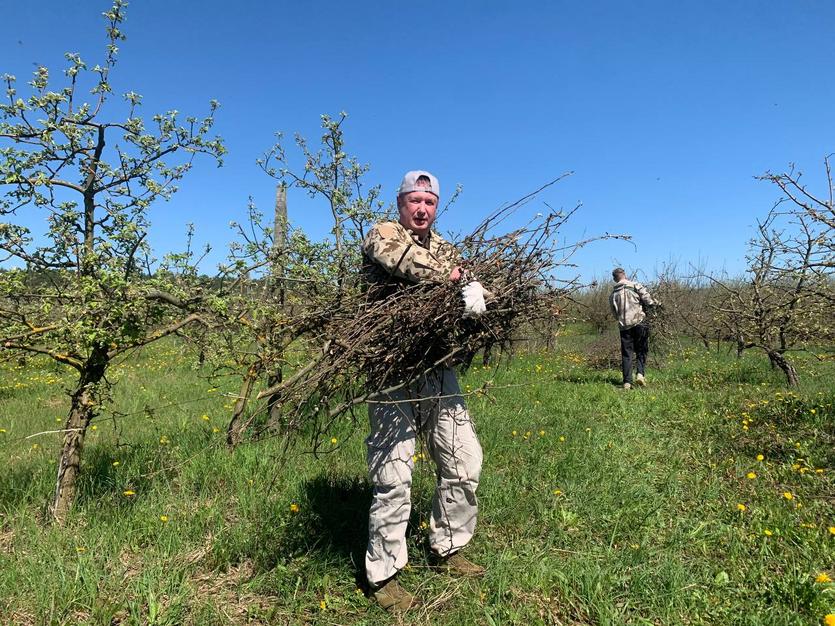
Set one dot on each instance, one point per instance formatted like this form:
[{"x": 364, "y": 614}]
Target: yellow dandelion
[
  {"x": 513, "y": 433},
  {"x": 750, "y": 475},
  {"x": 819, "y": 471},
  {"x": 557, "y": 492},
  {"x": 832, "y": 530},
  {"x": 163, "y": 440},
  {"x": 424, "y": 525},
  {"x": 788, "y": 495},
  {"x": 541, "y": 433},
  {"x": 322, "y": 605},
  {"x": 204, "y": 417},
  {"x": 823, "y": 577},
  {"x": 767, "y": 532},
  {"x": 163, "y": 518},
  {"x": 829, "y": 619},
  {"x": 94, "y": 427},
  {"x": 562, "y": 438},
  {"x": 128, "y": 493},
  {"x": 333, "y": 440},
  {"x": 760, "y": 457},
  {"x": 2, "y": 430},
  {"x": 741, "y": 507},
  {"x": 294, "y": 508},
  {"x": 215, "y": 429},
  {"x": 812, "y": 411},
  {"x": 80, "y": 549},
  {"x": 116, "y": 463}
]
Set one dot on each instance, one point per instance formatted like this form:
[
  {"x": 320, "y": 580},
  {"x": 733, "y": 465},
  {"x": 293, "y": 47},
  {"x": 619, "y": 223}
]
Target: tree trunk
[
  {"x": 277, "y": 270},
  {"x": 785, "y": 365},
  {"x": 236, "y": 425},
  {"x": 82, "y": 411}
]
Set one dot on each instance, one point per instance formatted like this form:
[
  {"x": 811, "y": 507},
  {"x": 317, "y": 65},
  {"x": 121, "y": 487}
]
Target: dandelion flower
[
  {"x": 94, "y": 427},
  {"x": 424, "y": 525},
  {"x": 128, "y": 493},
  {"x": 163, "y": 518},
  {"x": 767, "y": 532},
  {"x": 562, "y": 438},
  {"x": 788, "y": 495},
  {"x": 80, "y": 549},
  {"x": 541, "y": 433},
  {"x": 750, "y": 475},
  {"x": 741, "y": 507},
  {"x": 557, "y": 492},
  {"x": 115, "y": 463},
  {"x": 513, "y": 433},
  {"x": 829, "y": 620},
  {"x": 823, "y": 577},
  {"x": 205, "y": 418},
  {"x": 832, "y": 530},
  {"x": 333, "y": 440},
  {"x": 760, "y": 457},
  {"x": 322, "y": 605},
  {"x": 294, "y": 508}
]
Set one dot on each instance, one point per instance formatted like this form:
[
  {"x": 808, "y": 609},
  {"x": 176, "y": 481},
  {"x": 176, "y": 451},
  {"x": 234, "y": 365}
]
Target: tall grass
[{"x": 598, "y": 506}]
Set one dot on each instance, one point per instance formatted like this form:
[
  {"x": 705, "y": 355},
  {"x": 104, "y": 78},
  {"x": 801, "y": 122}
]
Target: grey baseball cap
[{"x": 410, "y": 180}]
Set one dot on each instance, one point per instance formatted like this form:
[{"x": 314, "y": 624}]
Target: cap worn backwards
[{"x": 410, "y": 183}]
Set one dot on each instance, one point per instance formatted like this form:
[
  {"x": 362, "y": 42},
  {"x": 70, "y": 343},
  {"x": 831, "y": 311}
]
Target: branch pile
[{"x": 367, "y": 348}]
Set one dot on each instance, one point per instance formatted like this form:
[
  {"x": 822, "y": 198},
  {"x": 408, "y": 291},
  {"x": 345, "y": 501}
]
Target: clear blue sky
[{"x": 664, "y": 110}]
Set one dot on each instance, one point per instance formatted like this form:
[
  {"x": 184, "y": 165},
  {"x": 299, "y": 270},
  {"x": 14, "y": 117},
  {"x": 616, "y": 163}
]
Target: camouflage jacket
[
  {"x": 393, "y": 256},
  {"x": 629, "y": 301}
]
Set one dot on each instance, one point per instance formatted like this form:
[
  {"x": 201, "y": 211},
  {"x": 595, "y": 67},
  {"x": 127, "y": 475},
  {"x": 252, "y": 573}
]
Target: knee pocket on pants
[{"x": 389, "y": 469}]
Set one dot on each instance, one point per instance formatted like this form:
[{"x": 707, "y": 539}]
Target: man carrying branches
[
  {"x": 629, "y": 301},
  {"x": 395, "y": 256}
]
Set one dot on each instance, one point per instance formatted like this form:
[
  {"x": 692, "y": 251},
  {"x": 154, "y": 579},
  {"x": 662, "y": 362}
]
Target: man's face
[{"x": 417, "y": 211}]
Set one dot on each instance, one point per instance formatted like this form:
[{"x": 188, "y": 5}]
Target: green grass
[{"x": 604, "y": 507}]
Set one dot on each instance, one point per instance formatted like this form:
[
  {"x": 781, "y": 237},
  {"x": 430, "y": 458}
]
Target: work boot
[
  {"x": 627, "y": 385},
  {"x": 641, "y": 380},
  {"x": 458, "y": 565},
  {"x": 393, "y": 598}
]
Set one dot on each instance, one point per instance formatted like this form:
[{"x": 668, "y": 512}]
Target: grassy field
[{"x": 706, "y": 498}]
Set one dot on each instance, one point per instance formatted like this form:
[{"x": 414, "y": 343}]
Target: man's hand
[{"x": 455, "y": 274}]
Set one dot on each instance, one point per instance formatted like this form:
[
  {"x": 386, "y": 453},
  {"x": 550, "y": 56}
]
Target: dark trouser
[{"x": 635, "y": 339}]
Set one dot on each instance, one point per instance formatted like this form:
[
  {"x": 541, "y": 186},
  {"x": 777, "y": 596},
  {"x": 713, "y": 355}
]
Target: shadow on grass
[{"x": 339, "y": 518}]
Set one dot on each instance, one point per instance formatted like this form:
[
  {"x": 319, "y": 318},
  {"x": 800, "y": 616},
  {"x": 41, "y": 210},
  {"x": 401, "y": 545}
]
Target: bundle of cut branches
[{"x": 367, "y": 349}]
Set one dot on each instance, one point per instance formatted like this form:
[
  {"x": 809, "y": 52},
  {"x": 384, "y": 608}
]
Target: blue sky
[{"x": 664, "y": 111}]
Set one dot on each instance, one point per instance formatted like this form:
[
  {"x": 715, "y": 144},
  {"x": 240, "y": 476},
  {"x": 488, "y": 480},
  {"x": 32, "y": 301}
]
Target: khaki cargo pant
[{"x": 433, "y": 407}]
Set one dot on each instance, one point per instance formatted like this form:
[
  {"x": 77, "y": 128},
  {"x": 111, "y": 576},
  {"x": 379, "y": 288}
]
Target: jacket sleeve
[
  {"x": 643, "y": 295},
  {"x": 403, "y": 258},
  {"x": 612, "y": 306}
]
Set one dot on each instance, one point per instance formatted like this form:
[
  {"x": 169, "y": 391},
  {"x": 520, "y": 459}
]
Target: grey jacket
[{"x": 629, "y": 301}]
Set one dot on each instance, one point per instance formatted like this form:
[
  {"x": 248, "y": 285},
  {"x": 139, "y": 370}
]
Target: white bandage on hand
[{"x": 473, "y": 294}]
